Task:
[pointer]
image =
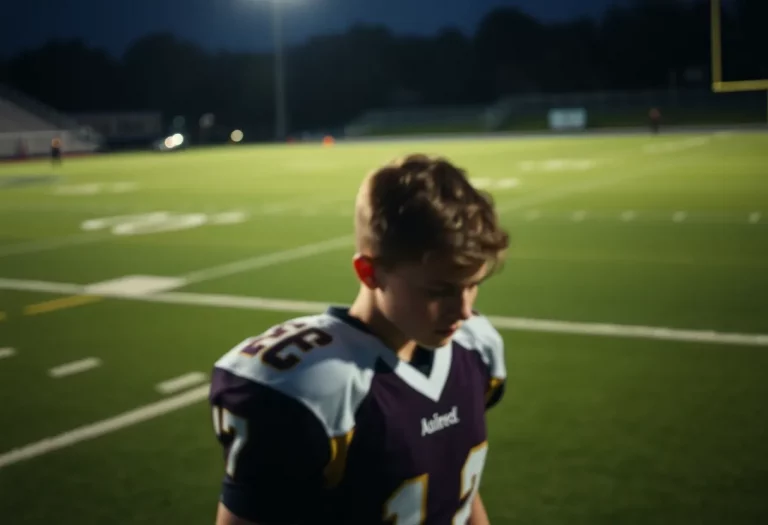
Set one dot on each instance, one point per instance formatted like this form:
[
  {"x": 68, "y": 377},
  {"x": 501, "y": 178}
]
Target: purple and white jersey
[{"x": 322, "y": 423}]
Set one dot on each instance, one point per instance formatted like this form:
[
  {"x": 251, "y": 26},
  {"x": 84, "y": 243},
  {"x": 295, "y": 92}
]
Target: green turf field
[{"x": 632, "y": 308}]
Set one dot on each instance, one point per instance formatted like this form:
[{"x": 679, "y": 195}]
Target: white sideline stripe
[
  {"x": 270, "y": 259},
  {"x": 41, "y": 286},
  {"x": 106, "y": 426},
  {"x": 171, "y": 386},
  {"x": 23, "y": 248},
  {"x": 511, "y": 323},
  {"x": 7, "y": 352},
  {"x": 516, "y": 323},
  {"x": 74, "y": 367},
  {"x": 629, "y": 331},
  {"x": 534, "y": 325}
]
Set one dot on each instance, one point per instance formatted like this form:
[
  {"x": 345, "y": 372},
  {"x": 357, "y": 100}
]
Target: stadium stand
[{"x": 27, "y": 128}]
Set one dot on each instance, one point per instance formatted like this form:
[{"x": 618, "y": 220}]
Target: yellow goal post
[{"x": 718, "y": 84}]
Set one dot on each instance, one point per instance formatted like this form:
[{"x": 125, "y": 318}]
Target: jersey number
[
  {"x": 274, "y": 346},
  {"x": 408, "y": 505},
  {"x": 226, "y": 423}
]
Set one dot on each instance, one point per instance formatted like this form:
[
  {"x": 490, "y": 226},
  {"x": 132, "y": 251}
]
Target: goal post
[{"x": 718, "y": 84}]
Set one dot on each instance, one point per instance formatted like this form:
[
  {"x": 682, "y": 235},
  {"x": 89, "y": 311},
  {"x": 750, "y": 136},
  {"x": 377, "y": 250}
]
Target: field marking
[
  {"x": 135, "y": 285},
  {"x": 176, "y": 384},
  {"x": 43, "y": 245},
  {"x": 95, "y": 188},
  {"x": 228, "y": 217},
  {"x": 103, "y": 427},
  {"x": 648, "y": 216},
  {"x": 581, "y": 186},
  {"x": 5, "y": 353},
  {"x": 573, "y": 164},
  {"x": 535, "y": 325},
  {"x": 676, "y": 146},
  {"x": 60, "y": 304},
  {"x": 21, "y": 285},
  {"x": 512, "y": 323},
  {"x": 75, "y": 367},
  {"x": 269, "y": 259}
]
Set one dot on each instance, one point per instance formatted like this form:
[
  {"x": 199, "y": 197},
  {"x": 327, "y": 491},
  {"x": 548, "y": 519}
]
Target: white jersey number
[
  {"x": 225, "y": 423},
  {"x": 408, "y": 505}
]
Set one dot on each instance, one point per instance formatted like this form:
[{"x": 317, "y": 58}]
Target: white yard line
[
  {"x": 74, "y": 367},
  {"x": 583, "y": 186},
  {"x": 171, "y": 386},
  {"x": 41, "y": 286},
  {"x": 269, "y": 259},
  {"x": 106, "y": 426},
  {"x": 511, "y": 323},
  {"x": 629, "y": 331},
  {"x": 567, "y": 190},
  {"x": 7, "y": 352}
]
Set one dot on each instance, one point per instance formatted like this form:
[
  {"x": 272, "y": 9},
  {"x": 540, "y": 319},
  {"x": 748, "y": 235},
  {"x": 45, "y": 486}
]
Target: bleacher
[
  {"x": 27, "y": 128},
  {"x": 14, "y": 119}
]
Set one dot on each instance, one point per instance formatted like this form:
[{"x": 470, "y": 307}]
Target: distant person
[
  {"x": 56, "y": 151},
  {"x": 22, "y": 149},
  {"x": 655, "y": 118},
  {"x": 375, "y": 413}
]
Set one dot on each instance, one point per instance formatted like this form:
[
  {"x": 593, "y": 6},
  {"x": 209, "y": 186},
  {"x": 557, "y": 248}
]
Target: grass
[{"x": 592, "y": 430}]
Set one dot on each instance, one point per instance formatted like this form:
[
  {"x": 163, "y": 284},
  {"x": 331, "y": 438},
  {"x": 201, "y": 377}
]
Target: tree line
[{"x": 330, "y": 79}]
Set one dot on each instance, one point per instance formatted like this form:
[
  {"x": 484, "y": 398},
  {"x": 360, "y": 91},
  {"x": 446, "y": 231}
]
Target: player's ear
[{"x": 365, "y": 270}]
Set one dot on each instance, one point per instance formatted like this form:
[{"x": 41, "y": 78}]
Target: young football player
[{"x": 375, "y": 413}]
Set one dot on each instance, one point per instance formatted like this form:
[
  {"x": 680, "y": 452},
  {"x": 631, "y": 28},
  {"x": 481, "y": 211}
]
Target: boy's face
[{"x": 427, "y": 302}]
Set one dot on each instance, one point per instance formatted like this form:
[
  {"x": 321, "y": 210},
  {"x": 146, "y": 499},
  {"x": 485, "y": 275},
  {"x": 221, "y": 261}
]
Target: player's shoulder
[
  {"x": 477, "y": 334},
  {"x": 314, "y": 360}
]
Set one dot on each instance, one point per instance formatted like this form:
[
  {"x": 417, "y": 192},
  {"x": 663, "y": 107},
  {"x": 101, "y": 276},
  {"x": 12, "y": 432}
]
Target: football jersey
[{"x": 320, "y": 422}]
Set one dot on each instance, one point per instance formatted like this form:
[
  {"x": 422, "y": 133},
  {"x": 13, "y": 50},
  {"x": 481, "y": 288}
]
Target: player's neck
[{"x": 366, "y": 311}]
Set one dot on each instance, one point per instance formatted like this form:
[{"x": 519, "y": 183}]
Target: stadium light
[{"x": 281, "y": 112}]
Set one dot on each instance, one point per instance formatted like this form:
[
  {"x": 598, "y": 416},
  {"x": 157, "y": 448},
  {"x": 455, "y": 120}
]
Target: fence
[
  {"x": 604, "y": 109},
  {"x": 630, "y": 108}
]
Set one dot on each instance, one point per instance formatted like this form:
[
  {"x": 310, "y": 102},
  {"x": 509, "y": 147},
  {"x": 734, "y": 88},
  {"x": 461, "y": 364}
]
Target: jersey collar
[{"x": 430, "y": 385}]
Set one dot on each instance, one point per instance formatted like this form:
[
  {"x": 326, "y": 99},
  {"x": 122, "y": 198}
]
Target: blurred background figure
[
  {"x": 56, "y": 151},
  {"x": 655, "y": 119}
]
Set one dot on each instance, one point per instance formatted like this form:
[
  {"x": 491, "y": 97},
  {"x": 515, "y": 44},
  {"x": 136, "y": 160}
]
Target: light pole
[{"x": 281, "y": 114}]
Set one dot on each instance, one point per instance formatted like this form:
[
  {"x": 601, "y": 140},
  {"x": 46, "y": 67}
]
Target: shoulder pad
[
  {"x": 312, "y": 360},
  {"x": 478, "y": 334}
]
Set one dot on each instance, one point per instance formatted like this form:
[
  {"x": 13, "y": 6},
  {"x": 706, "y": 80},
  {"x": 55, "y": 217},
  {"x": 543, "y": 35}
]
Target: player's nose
[{"x": 465, "y": 308}]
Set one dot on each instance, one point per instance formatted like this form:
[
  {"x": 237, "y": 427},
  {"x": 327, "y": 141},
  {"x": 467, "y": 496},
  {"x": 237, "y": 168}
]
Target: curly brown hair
[{"x": 418, "y": 207}]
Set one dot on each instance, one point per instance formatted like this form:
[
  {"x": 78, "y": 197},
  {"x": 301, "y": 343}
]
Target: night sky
[{"x": 245, "y": 24}]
